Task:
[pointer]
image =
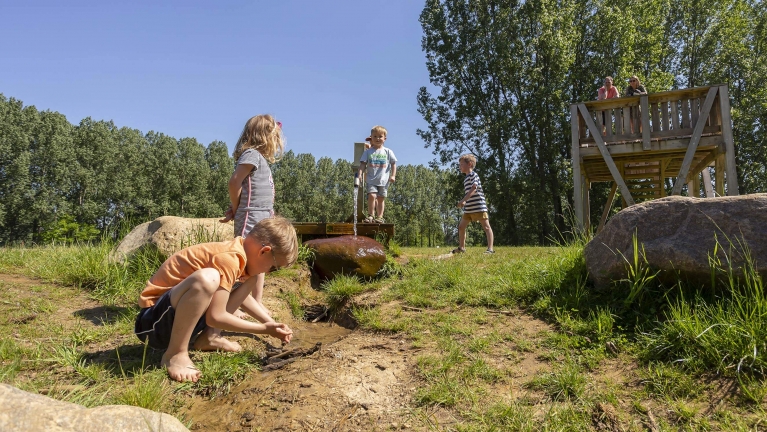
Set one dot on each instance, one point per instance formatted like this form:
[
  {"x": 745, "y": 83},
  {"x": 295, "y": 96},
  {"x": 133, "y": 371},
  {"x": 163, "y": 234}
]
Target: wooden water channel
[
  {"x": 311, "y": 230},
  {"x": 636, "y": 143}
]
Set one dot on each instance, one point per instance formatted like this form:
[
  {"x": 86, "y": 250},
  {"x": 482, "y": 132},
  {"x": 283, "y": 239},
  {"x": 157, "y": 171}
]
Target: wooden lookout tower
[{"x": 638, "y": 142}]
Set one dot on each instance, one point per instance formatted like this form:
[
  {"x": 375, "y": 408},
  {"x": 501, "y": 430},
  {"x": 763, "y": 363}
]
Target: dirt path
[
  {"x": 357, "y": 380},
  {"x": 360, "y": 381}
]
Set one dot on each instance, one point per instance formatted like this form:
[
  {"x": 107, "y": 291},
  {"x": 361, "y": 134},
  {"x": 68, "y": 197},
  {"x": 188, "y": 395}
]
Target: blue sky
[{"x": 329, "y": 70}]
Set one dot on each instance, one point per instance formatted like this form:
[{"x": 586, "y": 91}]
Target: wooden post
[
  {"x": 707, "y": 183},
  {"x": 719, "y": 174},
  {"x": 655, "y": 118},
  {"x": 675, "y": 114},
  {"x": 622, "y": 169},
  {"x": 608, "y": 206},
  {"x": 606, "y": 154},
  {"x": 586, "y": 204},
  {"x": 359, "y": 148},
  {"x": 645, "y": 122},
  {"x": 627, "y": 121},
  {"x": 693, "y": 146},
  {"x": 576, "y": 161},
  {"x": 729, "y": 144},
  {"x": 696, "y": 184}
]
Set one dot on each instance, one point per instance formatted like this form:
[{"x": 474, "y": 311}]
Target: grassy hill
[{"x": 518, "y": 340}]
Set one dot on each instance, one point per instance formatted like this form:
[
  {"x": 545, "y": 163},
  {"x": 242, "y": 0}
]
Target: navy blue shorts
[{"x": 155, "y": 323}]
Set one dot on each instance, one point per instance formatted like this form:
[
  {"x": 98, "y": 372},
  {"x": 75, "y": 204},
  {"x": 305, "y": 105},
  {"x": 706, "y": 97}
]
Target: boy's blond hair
[
  {"x": 469, "y": 158},
  {"x": 278, "y": 233},
  {"x": 264, "y": 134},
  {"x": 378, "y": 129}
]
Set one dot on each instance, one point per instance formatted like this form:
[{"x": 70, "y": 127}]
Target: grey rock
[
  {"x": 169, "y": 234},
  {"x": 22, "y": 411},
  {"x": 679, "y": 234}
]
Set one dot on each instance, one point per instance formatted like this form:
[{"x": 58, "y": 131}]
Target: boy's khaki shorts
[
  {"x": 475, "y": 217},
  {"x": 381, "y": 191}
]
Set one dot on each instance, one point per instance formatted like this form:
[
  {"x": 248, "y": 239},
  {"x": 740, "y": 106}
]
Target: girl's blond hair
[{"x": 264, "y": 134}]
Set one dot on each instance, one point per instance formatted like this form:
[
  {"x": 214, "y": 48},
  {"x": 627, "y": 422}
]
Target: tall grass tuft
[
  {"x": 394, "y": 249},
  {"x": 639, "y": 278},
  {"x": 221, "y": 370},
  {"x": 726, "y": 334},
  {"x": 86, "y": 266},
  {"x": 305, "y": 255},
  {"x": 340, "y": 290}
]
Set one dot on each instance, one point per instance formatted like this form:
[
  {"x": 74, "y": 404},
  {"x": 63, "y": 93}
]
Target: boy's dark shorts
[{"x": 156, "y": 323}]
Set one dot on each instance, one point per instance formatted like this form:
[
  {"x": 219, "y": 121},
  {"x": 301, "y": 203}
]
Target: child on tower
[{"x": 381, "y": 169}]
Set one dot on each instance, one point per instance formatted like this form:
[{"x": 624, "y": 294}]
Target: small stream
[{"x": 306, "y": 335}]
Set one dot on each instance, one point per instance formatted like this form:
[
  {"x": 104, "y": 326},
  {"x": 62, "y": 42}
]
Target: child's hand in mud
[{"x": 280, "y": 331}]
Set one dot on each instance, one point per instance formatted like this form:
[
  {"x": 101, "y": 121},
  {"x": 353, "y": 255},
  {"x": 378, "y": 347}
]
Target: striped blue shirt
[{"x": 475, "y": 203}]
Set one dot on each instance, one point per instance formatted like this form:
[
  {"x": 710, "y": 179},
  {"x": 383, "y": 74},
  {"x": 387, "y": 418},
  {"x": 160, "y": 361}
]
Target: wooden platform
[
  {"x": 310, "y": 230},
  {"x": 636, "y": 143}
]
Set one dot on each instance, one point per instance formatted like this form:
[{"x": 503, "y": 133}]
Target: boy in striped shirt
[{"x": 473, "y": 204}]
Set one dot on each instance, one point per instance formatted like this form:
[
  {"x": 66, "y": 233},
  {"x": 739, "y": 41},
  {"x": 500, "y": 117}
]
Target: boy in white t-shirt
[{"x": 381, "y": 165}]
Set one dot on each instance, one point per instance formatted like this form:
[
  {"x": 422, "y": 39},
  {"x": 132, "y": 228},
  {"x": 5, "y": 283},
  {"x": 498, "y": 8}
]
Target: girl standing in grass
[{"x": 251, "y": 191}]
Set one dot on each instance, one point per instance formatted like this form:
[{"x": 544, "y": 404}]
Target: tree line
[
  {"x": 504, "y": 73},
  {"x": 65, "y": 182}
]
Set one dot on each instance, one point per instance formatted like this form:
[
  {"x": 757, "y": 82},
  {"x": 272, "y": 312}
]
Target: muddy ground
[{"x": 357, "y": 380}]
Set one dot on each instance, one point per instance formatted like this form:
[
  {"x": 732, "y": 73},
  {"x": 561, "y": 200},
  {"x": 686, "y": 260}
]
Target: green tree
[{"x": 221, "y": 167}]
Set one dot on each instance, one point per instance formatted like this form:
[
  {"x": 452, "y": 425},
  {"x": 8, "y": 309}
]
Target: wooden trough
[{"x": 311, "y": 230}]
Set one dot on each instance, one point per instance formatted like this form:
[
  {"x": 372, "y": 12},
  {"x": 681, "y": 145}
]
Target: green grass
[
  {"x": 86, "y": 266},
  {"x": 669, "y": 382},
  {"x": 294, "y": 302},
  {"x": 565, "y": 383},
  {"x": 340, "y": 290},
  {"x": 458, "y": 314},
  {"x": 720, "y": 330},
  {"x": 221, "y": 370}
]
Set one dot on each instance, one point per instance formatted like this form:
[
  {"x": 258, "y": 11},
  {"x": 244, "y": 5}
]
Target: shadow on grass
[
  {"x": 104, "y": 315},
  {"x": 132, "y": 358}
]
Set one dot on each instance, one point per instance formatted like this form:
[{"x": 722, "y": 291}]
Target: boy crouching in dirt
[{"x": 192, "y": 294}]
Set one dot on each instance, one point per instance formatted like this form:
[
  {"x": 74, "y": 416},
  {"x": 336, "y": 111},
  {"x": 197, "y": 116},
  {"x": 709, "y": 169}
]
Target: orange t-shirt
[{"x": 227, "y": 257}]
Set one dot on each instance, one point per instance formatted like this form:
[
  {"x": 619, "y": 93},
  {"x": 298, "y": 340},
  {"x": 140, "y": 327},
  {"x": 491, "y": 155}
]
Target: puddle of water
[{"x": 306, "y": 335}]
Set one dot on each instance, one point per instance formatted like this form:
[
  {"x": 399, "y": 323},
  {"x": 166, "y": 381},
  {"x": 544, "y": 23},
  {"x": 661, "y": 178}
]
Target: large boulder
[
  {"x": 22, "y": 411},
  {"x": 169, "y": 234},
  {"x": 349, "y": 255},
  {"x": 679, "y": 235}
]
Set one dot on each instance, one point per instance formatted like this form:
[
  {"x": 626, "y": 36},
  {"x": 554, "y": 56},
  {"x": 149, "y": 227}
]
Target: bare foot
[
  {"x": 240, "y": 314},
  {"x": 210, "y": 341},
  {"x": 180, "y": 367}
]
